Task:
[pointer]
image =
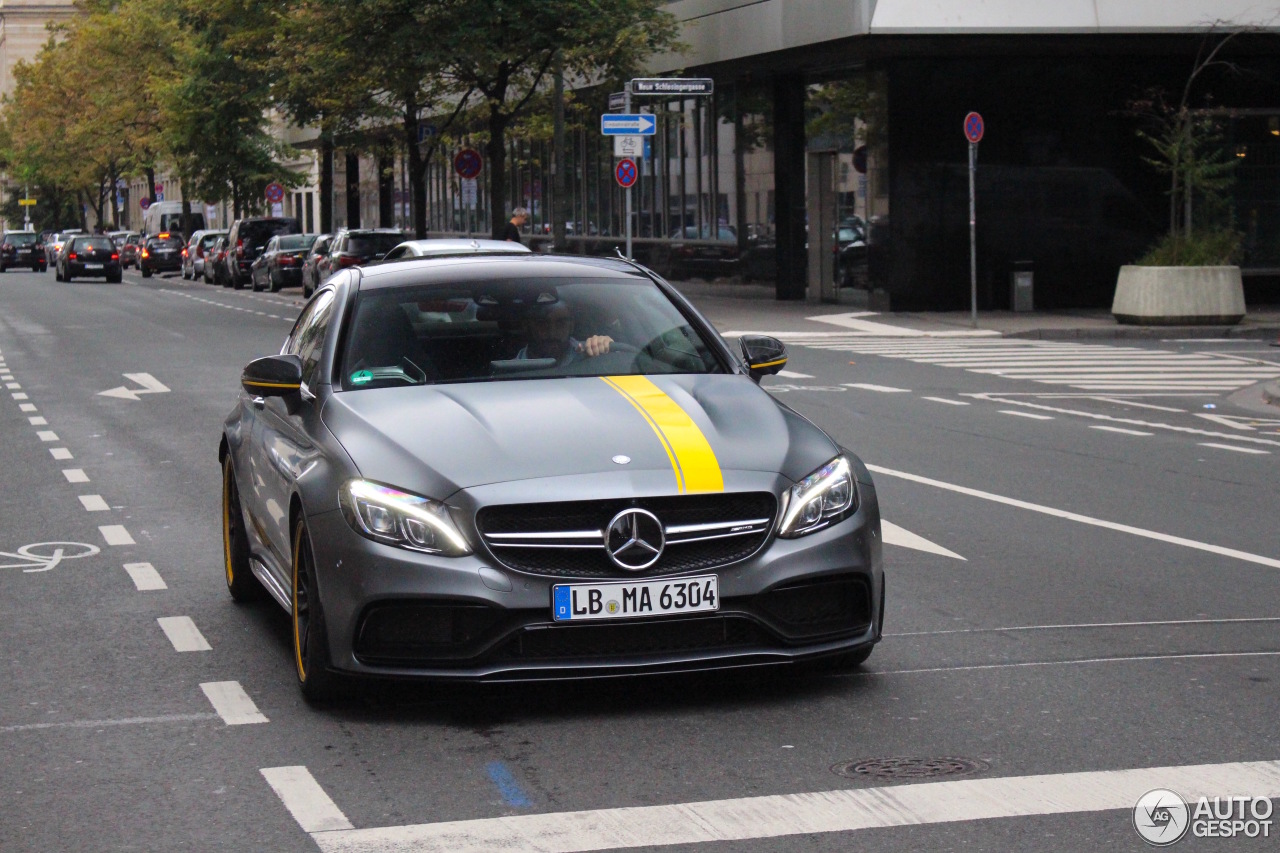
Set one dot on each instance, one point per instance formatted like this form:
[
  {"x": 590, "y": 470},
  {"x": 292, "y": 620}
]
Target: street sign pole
[
  {"x": 26, "y": 208},
  {"x": 973, "y": 237},
  {"x": 627, "y": 109}
]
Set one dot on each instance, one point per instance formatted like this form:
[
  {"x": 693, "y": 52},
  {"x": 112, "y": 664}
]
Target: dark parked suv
[
  {"x": 361, "y": 246},
  {"x": 247, "y": 239},
  {"x": 22, "y": 249}
]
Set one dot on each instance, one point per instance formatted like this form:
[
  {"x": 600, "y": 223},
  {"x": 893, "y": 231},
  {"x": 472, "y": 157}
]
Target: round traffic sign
[
  {"x": 973, "y": 127},
  {"x": 626, "y": 172},
  {"x": 144, "y": 202},
  {"x": 467, "y": 163},
  {"x": 275, "y": 193}
]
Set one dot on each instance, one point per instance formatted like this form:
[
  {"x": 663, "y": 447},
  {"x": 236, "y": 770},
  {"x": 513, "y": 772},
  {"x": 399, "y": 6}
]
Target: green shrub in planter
[{"x": 1204, "y": 248}]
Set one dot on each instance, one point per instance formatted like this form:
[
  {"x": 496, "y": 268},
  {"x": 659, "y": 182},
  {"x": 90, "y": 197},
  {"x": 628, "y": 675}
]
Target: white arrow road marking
[
  {"x": 150, "y": 385},
  {"x": 892, "y": 534}
]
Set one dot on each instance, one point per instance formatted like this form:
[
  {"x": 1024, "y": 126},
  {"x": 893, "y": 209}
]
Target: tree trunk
[
  {"x": 186, "y": 216},
  {"x": 417, "y": 169},
  {"x": 326, "y": 184},
  {"x": 151, "y": 184},
  {"x": 497, "y": 166},
  {"x": 560, "y": 208},
  {"x": 353, "y": 190}
]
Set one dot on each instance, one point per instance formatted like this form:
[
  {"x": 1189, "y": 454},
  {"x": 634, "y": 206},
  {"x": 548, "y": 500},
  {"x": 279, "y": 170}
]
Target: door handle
[{"x": 259, "y": 402}]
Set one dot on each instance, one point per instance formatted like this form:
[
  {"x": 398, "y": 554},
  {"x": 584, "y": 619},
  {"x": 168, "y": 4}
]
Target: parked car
[
  {"x": 129, "y": 245},
  {"x": 280, "y": 264},
  {"x": 194, "y": 252},
  {"x": 851, "y": 254},
  {"x": 246, "y": 240},
  {"x": 22, "y": 249},
  {"x": 161, "y": 253},
  {"x": 89, "y": 256},
  {"x": 215, "y": 259},
  {"x": 354, "y": 248},
  {"x": 405, "y": 484},
  {"x": 706, "y": 259},
  {"x": 312, "y": 268},
  {"x": 435, "y": 247},
  {"x": 53, "y": 246}
]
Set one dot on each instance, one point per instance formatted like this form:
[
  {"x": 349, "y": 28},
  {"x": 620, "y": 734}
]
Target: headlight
[
  {"x": 401, "y": 519},
  {"x": 819, "y": 500}
]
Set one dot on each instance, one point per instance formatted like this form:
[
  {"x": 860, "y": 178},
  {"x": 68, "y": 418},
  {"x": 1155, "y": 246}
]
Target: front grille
[
  {"x": 618, "y": 639},
  {"x": 566, "y": 539}
]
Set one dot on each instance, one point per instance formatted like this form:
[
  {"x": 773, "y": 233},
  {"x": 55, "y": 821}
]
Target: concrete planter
[{"x": 1179, "y": 296}]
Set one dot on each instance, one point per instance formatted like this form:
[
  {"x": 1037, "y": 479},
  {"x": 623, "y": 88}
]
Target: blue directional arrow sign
[{"x": 637, "y": 124}]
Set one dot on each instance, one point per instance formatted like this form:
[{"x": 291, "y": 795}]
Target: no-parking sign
[
  {"x": 626, "y": 173},
  {"x": 468, "y": 162},
  {"x": 275, "y": 193},
  {"x": 974, "y": 128}
]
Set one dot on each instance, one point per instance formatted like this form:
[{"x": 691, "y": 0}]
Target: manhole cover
[{"x": 908, "y": 768}]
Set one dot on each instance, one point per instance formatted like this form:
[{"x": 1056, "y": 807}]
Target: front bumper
[{"x": 396, "y": 613}]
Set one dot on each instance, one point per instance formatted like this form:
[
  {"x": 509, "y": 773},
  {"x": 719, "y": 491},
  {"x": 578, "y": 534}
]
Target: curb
[{"x": 1151, "y": 332}]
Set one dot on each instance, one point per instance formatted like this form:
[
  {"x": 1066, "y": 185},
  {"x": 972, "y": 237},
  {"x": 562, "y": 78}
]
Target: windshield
[
  {"x": 164, "y": 243},
  {"x": 99, "y": 244},
  {"x": 295, "y": 241},
  {"x": 523, "y": 329},
  {"x": 20, "y": 238},
  {"x": 373, "y": 244}
]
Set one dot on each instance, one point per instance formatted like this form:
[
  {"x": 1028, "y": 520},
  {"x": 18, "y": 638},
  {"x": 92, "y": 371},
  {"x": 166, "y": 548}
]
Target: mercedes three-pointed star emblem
[{"x": 635, "y": 539}]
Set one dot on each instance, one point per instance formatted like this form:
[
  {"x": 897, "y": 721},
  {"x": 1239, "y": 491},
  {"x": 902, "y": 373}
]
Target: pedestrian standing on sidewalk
[{"x": 519, "y": 217}]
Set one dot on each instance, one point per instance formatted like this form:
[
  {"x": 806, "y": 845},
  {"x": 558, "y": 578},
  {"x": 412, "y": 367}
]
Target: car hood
[{"x": 689, "y": 432}]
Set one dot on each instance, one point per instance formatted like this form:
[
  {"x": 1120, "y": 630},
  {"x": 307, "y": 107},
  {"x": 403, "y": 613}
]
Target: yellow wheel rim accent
[
  {"x": 226, "y": 520},
  {"x": 297, "y": 632}
]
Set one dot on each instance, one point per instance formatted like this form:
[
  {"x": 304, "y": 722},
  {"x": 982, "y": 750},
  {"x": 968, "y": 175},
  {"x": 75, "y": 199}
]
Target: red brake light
[
  {"x": 163, "y": 235},
  {"x": 347, "y": 260},
  {"x": 287, "y": 260},
  {"x": 71, "y": 257},
  {"x": 239, "y": 248},
  {"x": 145, "y": 253},
  {"x": 184, "y": 251},
  {"x": 115, "y": 256}
]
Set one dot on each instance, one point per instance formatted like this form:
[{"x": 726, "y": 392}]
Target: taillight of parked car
[
  {"x": 288, "y": 261},
  {"x": 184, "y": 251},
  {"x": 239, "y": 248},
  {"x": 115, "y": 256},
  {"x": 71, "y": 257},
  {"x": 146, "y": 253},
  {"x": 348, "y": 260}
]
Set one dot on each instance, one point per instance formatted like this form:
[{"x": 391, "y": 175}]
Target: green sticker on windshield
[{"x": 360, "y": 377}]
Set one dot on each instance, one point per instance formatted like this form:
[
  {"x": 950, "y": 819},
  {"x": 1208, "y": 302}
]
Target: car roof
[
  {"x": 455, "y": 268},
  {"x": 462, "y": 246}
]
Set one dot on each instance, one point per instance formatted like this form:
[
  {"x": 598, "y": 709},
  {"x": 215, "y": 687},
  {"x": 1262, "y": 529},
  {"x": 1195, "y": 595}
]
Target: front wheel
[
  {"x": 146, "y": 273},
  {"x": 275, "y": 284},
  {"x": 310, "y": 645},
  {"x": 241, "y": 583}
]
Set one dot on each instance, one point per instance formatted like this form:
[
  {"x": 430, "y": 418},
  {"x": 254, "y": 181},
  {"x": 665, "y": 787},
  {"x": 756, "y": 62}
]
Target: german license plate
[
  {"x": 623, "y": 600},
  {"x": 93, "y": 266}
]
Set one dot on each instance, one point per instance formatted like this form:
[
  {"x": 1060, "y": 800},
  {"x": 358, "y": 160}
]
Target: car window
[
  {"x": 372, "y": 244},
  {"x": 292, "y": 242},
  {"x": 164, "y": 243},
  {"x": 82, "y": 244},
  {"x": 20, "y": 238},
  {"x": 272, "y": 244},
  {"x": 321, "y": 246},
  {"x": 209, "y": 239},
  {"x": 516, "y": 329},
  {"x": 258, "y": 233},
  {"x": 307, "y": 339}
]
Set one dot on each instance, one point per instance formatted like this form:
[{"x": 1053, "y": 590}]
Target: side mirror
[
  {"x": 273, "y": 376},
  {"x": 765, "y": 356}
]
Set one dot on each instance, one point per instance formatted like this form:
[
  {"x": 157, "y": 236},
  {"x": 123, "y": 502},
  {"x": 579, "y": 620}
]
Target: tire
[
  {"x": 3, "y": 268},
  {"x": 236, "y": 283},
  {"x": 115, "y": 278},
  {"x": 44, "y": 268},
  {"x": 37, "y": 268},
  {"x": 146, "y": 273},
  {"x": 241, "y": 583},
  {"x": 310, "y": 643},
  {"x": 185, "y": 275},
  {"x": 253, "y": 283},
  {"x": 57, "y": 274},
  {"x": 274, "y": 284}
]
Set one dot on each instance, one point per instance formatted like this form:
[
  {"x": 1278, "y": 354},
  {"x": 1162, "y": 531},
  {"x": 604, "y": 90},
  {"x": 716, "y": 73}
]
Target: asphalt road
[{"x": 1091, "y": 591}]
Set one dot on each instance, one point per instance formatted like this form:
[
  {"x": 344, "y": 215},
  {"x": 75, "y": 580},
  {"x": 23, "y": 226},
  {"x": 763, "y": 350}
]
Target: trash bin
[{"x": 1022, "y": 286}]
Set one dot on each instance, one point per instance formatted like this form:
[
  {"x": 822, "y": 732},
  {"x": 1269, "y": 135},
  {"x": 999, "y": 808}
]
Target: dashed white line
[
  {"x": 945, "y": 400},
  {"x": 116, "y": 534},
  {"x": 75, "y": 475},
  {"x": 883, "y": 389},
  {"x": 60, "y": 453},
  {"x": 13, "y": 386},
  {"x": 94, "y": 503},
  {"x": 184, "y": 634},
  {"x": 791, "y": 374},
  {"x": 28, "y": 407},
  {"x": 37, "y": 421},
  {"x": 1236, "y": 449},
  {"x": 145, "y": 577},
  {"x": 232, "y": 703},
  {"x": 1119, "y": 430},
  {"x": 302, "y": 795},
  {"x": 1026, "y": 415},
  {"x": 47, "y": 435},
  {"x": 20, "y": 395}
]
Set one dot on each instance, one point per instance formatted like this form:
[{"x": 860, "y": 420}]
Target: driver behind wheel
[{"x": 549, "y": 329}]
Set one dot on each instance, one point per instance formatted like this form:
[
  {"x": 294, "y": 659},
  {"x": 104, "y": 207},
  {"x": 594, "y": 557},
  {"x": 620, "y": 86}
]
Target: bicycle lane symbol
[{"x": 45, "y": 556}]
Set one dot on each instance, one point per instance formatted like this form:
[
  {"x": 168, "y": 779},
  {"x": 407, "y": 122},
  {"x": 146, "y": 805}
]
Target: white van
[{"x": 167, "y": 216}]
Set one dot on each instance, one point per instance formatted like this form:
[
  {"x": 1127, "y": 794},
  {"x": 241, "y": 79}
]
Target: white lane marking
[
  {"x": 302, "y": 795},
  {"x": 60, "y": 453},
  {"x": 20, "y": 395},
  {"x": 1233, "y": 447},
  {"x": 1120, "y": 430},
  {"x": 28, "y": 407},
  {"x": 47, "y": 435},
  {"x": 98, "y": 724},
  {"x": 1082, "y": 625},
  {"x": 116, "y": 534},
  {"x": 846, "y": 810},
  {"x": 184, "y": 634},
  {"x": 934, "y": 670},
  {"x": 75, "y": 475},
  {"x": 1026, "y": 415},
  {"x": 853, "y": 321},
  {"x": 1226, "y": 421},
  {"x": 883, "y": 389},
  {"x": 232, "y": 703},
  {"x": 998, "y": 398},
  {"x": 1082, "y": 519},
  {"x": 37, "y": 421},
  {"x": 13, "y": 386},
  {"x": 145, "y": 577},
  {"x": 150, "y": 385},
  {"x": 892, "y": 534},
  {"x": 1125, "y": 402},
  {"x": 945, "y": 400},
  {"x": 791, "y": 374},
  {"x": 94, "y": 503}
]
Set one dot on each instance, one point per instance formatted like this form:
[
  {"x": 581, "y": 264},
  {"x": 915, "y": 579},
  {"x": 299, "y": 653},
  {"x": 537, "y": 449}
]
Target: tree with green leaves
[{"x": 505, "y": 49}]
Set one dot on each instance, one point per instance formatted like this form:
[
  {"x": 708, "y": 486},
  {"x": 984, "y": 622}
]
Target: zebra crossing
[{"x": 1064, "y": 364}]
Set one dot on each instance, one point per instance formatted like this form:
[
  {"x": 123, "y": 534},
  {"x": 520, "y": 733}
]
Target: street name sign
[
  {"x": 624, "y": 124},
  {"x": 617, "y": 101},
  {"x": 26, "y": 202},
  {"x": 686, "y": 86}
]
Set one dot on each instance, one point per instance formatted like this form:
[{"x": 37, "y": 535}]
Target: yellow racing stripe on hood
[{"x": 694, "y": 462}]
